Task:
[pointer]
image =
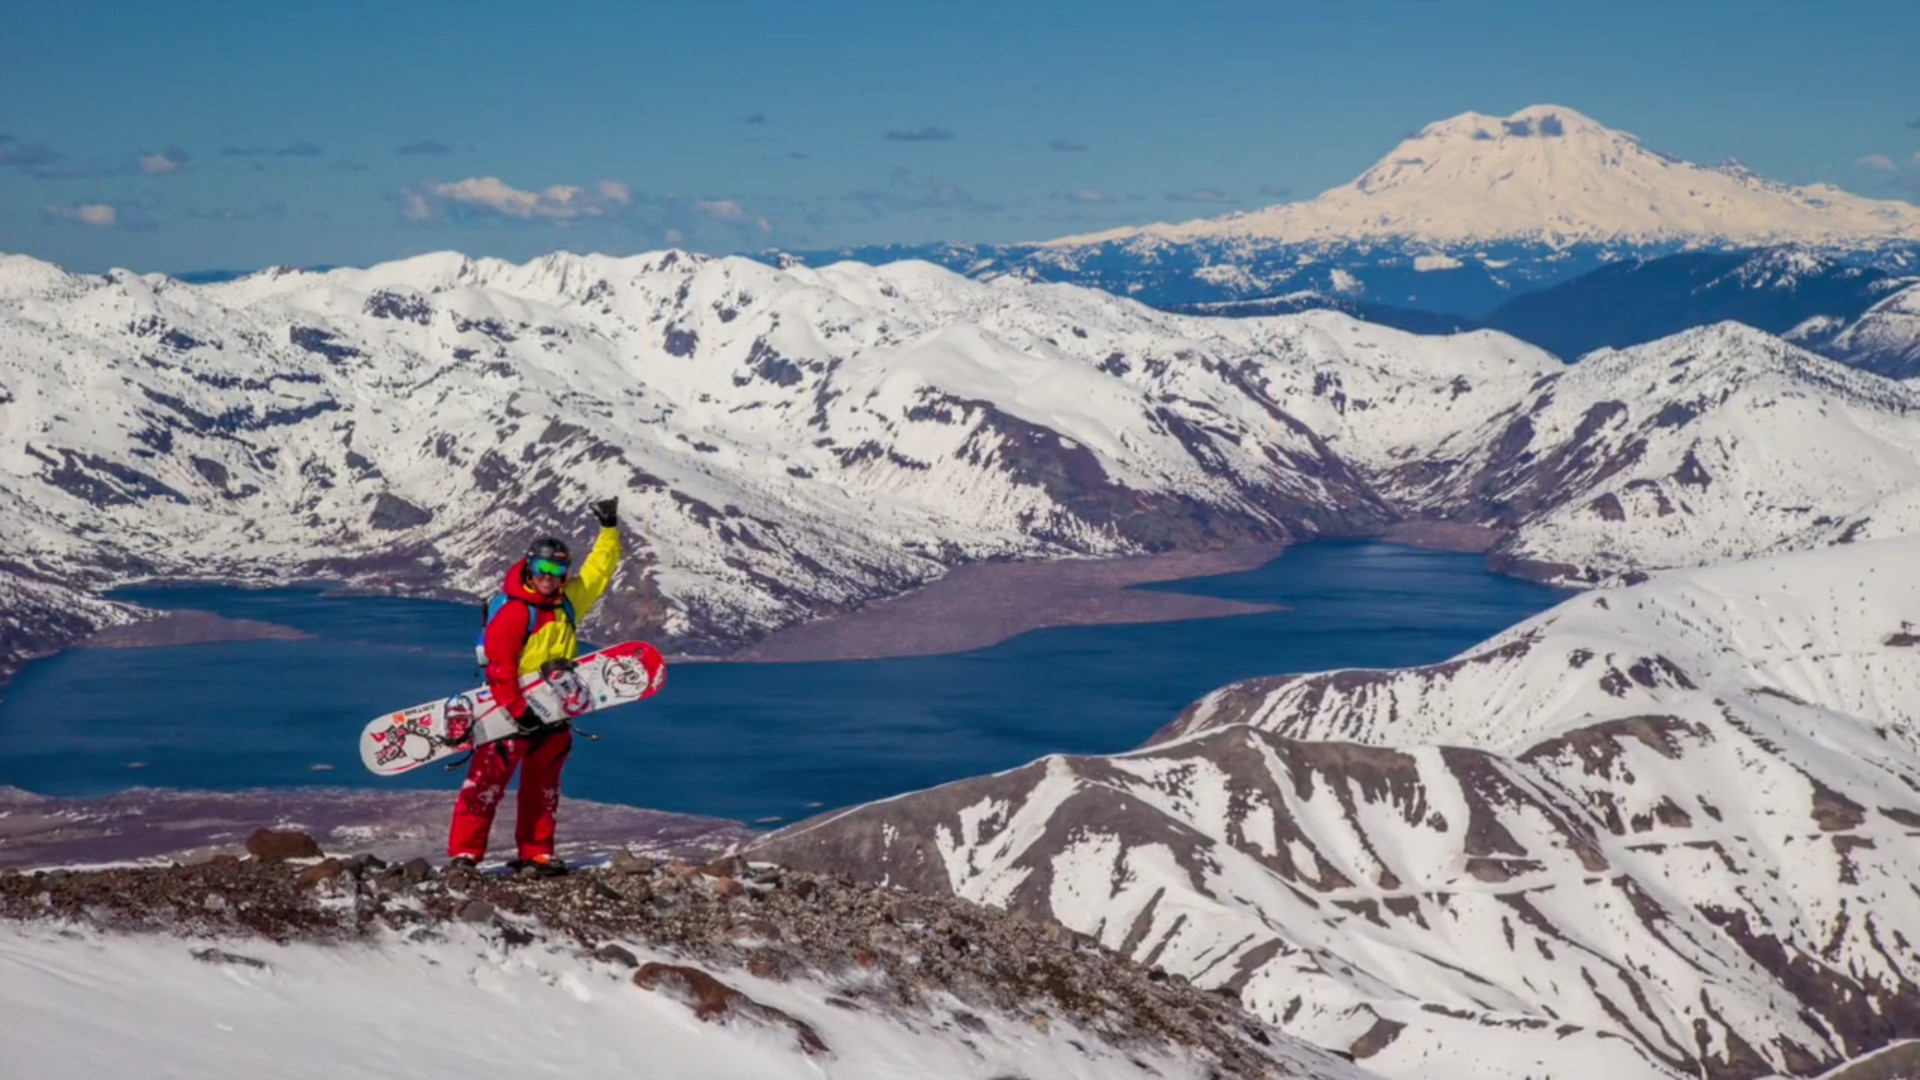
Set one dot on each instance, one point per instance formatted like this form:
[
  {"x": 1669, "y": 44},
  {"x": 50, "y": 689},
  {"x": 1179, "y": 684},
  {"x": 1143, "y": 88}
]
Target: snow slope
[
  {"x": 1884, "y": 339},
  {"x": 1657, "y": 831},
  {"x": 84, "y": 1003},
  {"x": 1550, "y": 174},
  {"x": 1715, "y": 444}
]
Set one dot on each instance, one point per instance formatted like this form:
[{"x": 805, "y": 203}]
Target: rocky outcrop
[
  {"x": 697, "y": 933},
  {"x": 40, "y": 616}
]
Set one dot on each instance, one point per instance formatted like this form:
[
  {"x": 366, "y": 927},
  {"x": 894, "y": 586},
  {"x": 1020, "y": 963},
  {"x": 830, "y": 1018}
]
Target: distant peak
[
  {"x": 1532, "y": 122},
  {"x": 1554, "y": 175}
]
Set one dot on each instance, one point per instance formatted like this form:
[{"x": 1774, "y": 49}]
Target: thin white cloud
[
  {"x": 1916, "y": 157},
  {"x": 675, "y": 236},
  {"x": 1877, "y": 161},
  {"x": 1200, "y": 195},
  {"x": 170, "y": 160},
  {"x": 491, "y": 195},
  {"x": 297, "y": 148},
  {"x": 98, "y": 214},
  {"x": 1084, "y": 195},
  {"x": 414, "y": 206},
  {"x": 720, "y": 209},
  {"x": 925, "y": 134}
]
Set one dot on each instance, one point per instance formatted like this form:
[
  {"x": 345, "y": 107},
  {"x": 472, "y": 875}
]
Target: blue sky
[{"x": 191, "y": 135}]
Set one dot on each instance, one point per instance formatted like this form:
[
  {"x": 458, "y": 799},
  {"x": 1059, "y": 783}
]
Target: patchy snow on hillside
[
  {"x": 792, "y": 443},
  {"x": 1656, "y": 832}
]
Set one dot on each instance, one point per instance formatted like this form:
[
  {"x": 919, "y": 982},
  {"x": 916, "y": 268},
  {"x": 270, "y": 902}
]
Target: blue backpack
[{"x": 492, "y": 607}]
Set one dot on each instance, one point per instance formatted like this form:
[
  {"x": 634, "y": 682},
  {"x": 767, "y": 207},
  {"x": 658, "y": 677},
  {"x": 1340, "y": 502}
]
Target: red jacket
[
  {"x": 525, "y": 613},
  {"x": 532, "y": 629}
]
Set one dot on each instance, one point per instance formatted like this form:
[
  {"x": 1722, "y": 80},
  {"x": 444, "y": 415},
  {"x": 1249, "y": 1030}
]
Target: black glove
[
  {"x": 555, "y": 666},
  {"x": 528, "y": 720},
  {"x": 606, "y": 510}
]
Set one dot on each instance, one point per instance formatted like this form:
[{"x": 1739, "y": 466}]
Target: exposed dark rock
[
  {"x": 269, "y": 845},
  {"x": 714, "y": 1001},
  {"x": 98, "y": 481},
  {"x": 1692, "y": 473},
  {"x": 392, "y": 305},
  {"x": 321, "y": 343},
  {"x": 766, "y": 363},
  {"x": 1675, "y": 414},
  {"x": 614, "y": 954},
  {"x": 391, "y": 513},
  {"x": 221, "y": 956},
  {"x": 319, "y": 873},
  {"x": 1377, "y": 1038},
  {"x": 681, "y": 342}
]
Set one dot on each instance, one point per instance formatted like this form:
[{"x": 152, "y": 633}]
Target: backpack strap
[
  {"x": 499, "y": 601},
  {"x": 488, "y": 612}
]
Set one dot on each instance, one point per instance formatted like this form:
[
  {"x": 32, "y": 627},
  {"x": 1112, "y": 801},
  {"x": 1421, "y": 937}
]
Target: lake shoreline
[
  {"x": 973, "y": 606},
  {"x": 188, "y": 626}
]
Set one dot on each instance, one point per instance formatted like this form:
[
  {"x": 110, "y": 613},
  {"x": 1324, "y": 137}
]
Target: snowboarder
[{"x": 532, "y": 623}]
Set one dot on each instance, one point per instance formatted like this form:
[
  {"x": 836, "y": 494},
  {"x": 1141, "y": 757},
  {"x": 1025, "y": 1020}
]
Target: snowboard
[{"x": 402, "y": 741}]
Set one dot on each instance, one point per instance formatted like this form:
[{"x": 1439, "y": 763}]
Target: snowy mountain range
[
  {"x": 1813, "y": 298},
  {"x": 1885, "y": 338},
  {"x": 1636, "y": 301},
  {"x": 1658, "y": 831},
  {"x": 1461, "y": 217},
  {"x": 794, "y": 442}
]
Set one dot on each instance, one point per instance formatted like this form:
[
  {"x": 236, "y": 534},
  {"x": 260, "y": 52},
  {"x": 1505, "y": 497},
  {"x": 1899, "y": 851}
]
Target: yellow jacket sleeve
[{"x": 596, "y": 573}]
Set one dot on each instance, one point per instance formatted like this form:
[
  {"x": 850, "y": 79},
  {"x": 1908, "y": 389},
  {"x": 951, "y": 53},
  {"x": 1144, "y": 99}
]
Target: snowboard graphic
[{"x": 402, "y": 741}]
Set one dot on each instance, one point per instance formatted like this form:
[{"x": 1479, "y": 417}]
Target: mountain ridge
[
  {"x": 1657, "y": 831},
  {"x": 796, "y": 443}
]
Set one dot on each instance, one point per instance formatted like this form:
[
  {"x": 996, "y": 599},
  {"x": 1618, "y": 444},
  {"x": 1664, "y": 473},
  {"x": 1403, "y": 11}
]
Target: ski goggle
[{"x": 547, "y": 567}]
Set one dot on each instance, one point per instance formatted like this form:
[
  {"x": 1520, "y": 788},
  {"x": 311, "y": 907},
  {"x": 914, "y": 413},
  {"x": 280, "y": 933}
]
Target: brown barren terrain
[
  {"x": 187, "y": 627},
  {"x": 984, "y": 604}
]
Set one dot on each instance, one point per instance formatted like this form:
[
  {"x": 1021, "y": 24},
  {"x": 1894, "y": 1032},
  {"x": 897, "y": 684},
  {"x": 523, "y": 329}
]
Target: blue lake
[{"x": 744, "y": 741}]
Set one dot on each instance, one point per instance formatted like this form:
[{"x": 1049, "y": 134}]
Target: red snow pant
[{"x": 486, "y": 785}]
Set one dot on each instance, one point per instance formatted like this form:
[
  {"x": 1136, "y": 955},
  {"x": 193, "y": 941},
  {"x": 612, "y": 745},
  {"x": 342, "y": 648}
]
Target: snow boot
[{"x": 539, "y": 867}]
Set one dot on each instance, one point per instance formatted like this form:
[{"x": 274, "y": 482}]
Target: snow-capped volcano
[
  {"x": 1656, "y": 832},
  {"x": 1549, "y": 174},
  {"x": 1459, "y": 219}
]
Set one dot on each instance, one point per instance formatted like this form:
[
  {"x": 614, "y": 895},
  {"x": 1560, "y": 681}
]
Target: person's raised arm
[{"x": 597, "y": 572}]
